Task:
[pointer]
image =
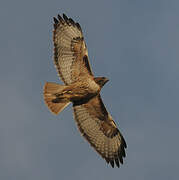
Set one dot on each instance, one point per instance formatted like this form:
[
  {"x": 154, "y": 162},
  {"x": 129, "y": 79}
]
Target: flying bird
[{"x": 82, "y": 89}]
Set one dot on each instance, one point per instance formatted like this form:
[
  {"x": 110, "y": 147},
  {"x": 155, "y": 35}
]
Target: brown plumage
[{"x": 83, "y": 90}]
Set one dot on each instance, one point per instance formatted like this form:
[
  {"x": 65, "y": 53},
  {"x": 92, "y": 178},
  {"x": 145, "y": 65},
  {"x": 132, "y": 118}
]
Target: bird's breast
[
  {"x": 93, "y": 86},
  {"x": 86, "y": 88}
]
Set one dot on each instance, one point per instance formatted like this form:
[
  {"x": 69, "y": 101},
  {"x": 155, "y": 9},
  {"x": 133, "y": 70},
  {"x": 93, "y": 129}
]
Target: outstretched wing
[
  {"x": 70, "y": 51},
  {"x": 98, "y": 128}
]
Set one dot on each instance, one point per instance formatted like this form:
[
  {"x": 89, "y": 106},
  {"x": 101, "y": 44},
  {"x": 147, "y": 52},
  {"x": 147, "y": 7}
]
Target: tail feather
[
  {"x": 54, "y": 104},
  {"x": 53, "y": 88}
]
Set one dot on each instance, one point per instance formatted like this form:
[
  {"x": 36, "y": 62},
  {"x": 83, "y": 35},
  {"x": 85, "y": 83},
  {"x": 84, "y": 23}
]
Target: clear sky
[{"x": 135, "y": 43}]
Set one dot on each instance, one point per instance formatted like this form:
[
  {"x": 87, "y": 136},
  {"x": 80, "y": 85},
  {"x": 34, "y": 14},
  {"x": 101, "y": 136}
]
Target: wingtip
[
  {"x": 71, "y": 21},
  {"x": 60, "y": 18},
  {"x": 55, "y": 20},
  {"x": 78, "y": 26},
  {"x": 112, "y": 163},
  {"x": 65, "y": 17},
  {"x": 121, "y": 160},
  {"x": 117, "y": 162}
]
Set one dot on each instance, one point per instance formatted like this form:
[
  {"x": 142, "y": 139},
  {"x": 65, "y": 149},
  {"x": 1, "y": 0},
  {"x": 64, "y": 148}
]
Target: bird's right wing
[
  {"x": 70, "y": 51},
  {"x": 98, "y": 128}
]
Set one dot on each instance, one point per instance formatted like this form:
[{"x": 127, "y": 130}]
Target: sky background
[{"x": 135, "y": 43}]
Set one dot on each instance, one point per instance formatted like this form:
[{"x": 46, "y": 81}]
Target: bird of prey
[{"x": 82, "y": 89}]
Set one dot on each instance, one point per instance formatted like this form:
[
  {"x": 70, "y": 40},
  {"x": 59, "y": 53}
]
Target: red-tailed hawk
[{"x": 83, "y": 90}]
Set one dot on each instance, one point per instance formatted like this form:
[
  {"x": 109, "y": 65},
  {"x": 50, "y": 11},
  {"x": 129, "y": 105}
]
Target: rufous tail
[{"x": 55, "y": 104}]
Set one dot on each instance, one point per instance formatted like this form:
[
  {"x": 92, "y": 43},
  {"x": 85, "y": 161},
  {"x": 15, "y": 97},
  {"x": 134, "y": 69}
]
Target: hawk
[{"x": 82, "y": 89}]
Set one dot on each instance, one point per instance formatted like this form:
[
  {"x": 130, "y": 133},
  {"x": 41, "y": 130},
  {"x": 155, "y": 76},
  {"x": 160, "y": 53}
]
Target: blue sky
[{"x": 132, "y": 42}]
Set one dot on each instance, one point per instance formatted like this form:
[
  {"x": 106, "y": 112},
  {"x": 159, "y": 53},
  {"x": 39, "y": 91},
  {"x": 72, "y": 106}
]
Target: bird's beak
[{"x": 106, "y": 80}]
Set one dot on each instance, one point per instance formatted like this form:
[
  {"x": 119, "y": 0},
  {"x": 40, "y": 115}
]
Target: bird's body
[{"x": 83, "y": 90}]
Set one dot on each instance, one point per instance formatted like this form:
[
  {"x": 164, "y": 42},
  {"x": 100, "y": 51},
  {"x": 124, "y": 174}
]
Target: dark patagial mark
[{"x": 86, "y": 62}]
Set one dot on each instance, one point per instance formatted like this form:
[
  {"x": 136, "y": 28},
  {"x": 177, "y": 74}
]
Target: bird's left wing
[
  {"x": 70, "y": 51},
  {"x": 98, "y": 128}
]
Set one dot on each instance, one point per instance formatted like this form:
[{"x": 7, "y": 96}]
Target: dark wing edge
[
  {"x": 101, "y": 133},
  {"x": 70, "y": 51}
]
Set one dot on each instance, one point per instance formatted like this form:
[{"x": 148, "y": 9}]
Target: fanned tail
[{"x": 55, "y": 104}]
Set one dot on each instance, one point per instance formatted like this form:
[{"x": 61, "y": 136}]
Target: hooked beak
[{"x": 106, "y": 80}]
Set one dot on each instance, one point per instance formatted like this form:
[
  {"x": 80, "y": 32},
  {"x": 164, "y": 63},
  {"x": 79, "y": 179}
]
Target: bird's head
[{"x": 101, "y": 81}]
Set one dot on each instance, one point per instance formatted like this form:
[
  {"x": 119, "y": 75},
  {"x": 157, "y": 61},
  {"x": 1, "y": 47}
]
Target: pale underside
[{"x": 91, "y": 116}]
